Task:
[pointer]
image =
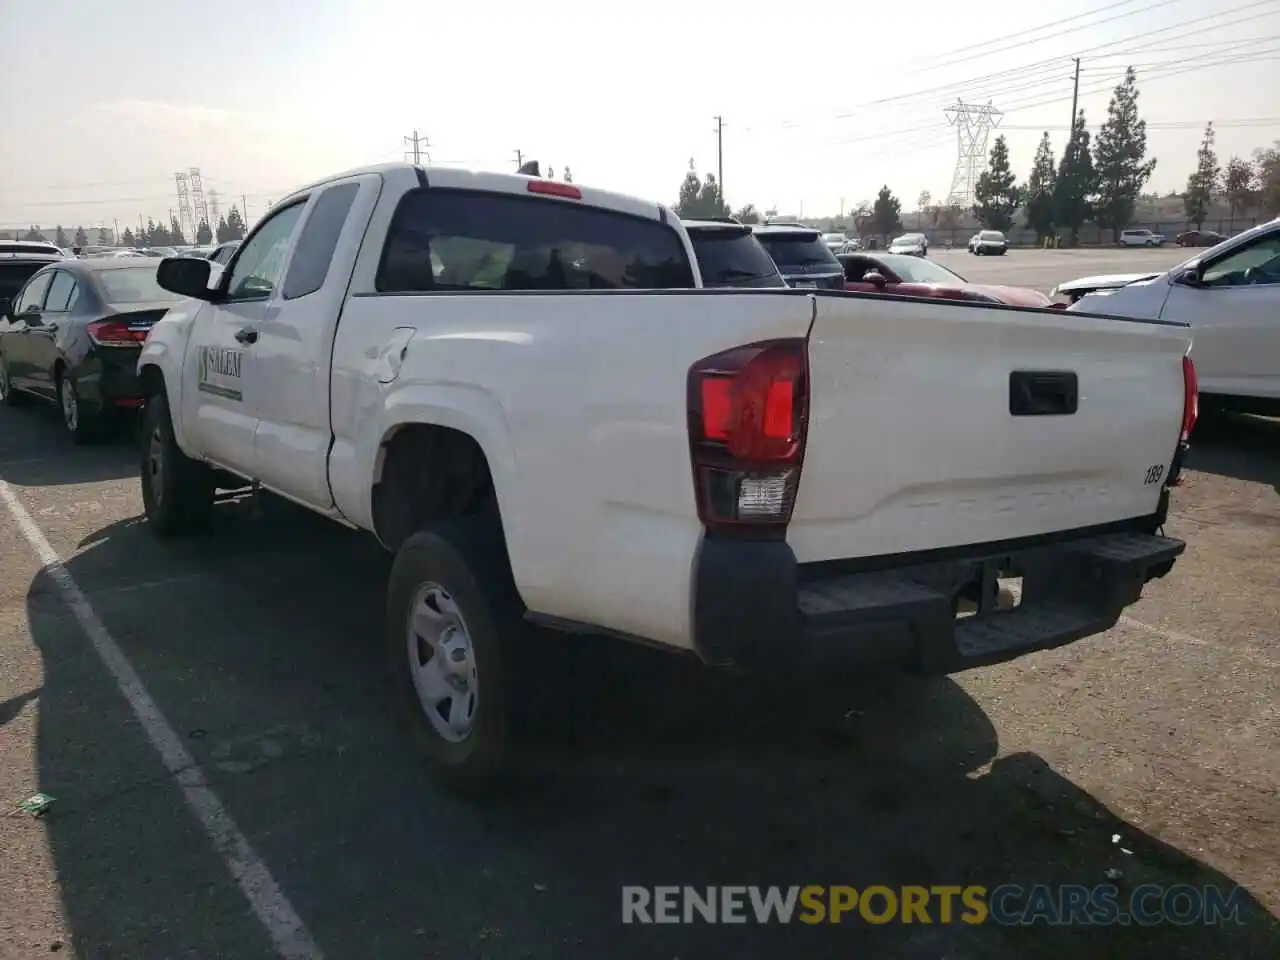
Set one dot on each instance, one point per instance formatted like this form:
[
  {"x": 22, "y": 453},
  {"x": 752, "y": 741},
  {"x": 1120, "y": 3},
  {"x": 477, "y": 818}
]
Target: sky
[{"x": 823, "y": 102}]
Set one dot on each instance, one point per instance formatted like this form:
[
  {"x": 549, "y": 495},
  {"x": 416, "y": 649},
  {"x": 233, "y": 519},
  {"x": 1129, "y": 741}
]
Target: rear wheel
[
  {"x": 84, "y": 425},
  {"x": 177, "y": 492},
  {"x": 8, "y": 395},
  {"x": 452, "y": 610}
]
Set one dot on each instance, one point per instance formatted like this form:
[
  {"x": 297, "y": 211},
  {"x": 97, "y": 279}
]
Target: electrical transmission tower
[
  {"x": 213, "y": 208},
  {"x": 185, "y": 220},
  {"x": 200, "y": 208},
  {"x": 973, "y": 125}
]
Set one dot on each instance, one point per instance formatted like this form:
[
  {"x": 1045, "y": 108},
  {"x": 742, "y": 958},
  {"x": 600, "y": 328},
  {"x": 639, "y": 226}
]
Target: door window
[
  {"x": 1254, "y": 263},
  {"x": 258, "y": 269},
  {"x": 63, "y": 293},
  {"x": 317, "y": 241},
  {"x": 33, "y": 295}
]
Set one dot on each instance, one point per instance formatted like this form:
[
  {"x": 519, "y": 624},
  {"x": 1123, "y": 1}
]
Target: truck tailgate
[{"x": 929, "y": 424}]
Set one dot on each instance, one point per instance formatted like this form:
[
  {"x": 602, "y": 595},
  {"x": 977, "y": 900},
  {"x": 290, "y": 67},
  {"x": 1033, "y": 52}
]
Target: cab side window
[
  {"x": 318, "y": 240},
  {"x": 1255, "y": 263},
  {"x": 33, "y": 294},
  {"x": 259, "y": 268}
]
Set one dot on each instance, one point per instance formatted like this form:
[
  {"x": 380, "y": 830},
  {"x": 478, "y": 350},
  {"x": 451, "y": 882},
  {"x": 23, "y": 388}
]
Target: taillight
[
  {"x": 748, "y": 416},
  {"x": 1190, "y": 397},
  {"x": 554, "y": 188},
  {"x": 116, "y": 333}
]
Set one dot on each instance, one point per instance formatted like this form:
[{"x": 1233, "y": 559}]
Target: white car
[
  {"x": 1230, "y": 297},
  {"x": 988, "y": 243},
  {"x": 910, "y": 244},
  {"x": 1140, "y": 238},
  {"x": 513, "y": 385},
  {"x": 838, "y": 243}
]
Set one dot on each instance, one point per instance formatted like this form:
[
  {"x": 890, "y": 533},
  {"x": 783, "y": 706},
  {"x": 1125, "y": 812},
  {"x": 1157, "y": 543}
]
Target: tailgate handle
[{"x": 1043, "y": 393}]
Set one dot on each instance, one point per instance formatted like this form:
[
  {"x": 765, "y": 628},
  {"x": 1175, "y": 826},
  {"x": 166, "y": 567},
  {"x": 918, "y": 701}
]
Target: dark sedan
[
  {"x": 1199, "y": 238},
  {"x": 73, "y": 333}
]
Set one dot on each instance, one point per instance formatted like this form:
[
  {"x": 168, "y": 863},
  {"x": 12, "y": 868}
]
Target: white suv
[{"x": 1140, "y": 238}]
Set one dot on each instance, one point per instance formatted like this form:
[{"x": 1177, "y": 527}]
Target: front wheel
[
  {"x": 177, "y": 492},
  {"x": 452, "y": 610}
]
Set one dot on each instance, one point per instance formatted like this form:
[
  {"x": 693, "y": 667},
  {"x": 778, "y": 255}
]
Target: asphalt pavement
[
  {"x": 289, "y": 787},
  {"x": 1042, "y": 269}
]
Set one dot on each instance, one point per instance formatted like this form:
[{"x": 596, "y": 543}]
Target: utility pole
[
  {"x": 418, "y": 143},
  {"x": 116, "y": 236},
  {"x": 244, "y": 211},
  {"x": 1075, "y": 97},
  {"x": 519, "y": 158},
  {"x": 719, "y": 132}
]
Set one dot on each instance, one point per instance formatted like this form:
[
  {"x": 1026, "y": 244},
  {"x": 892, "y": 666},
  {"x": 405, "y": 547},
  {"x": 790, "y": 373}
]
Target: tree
[
  {"x": 221, "y": 233},
  {"x": 175, "y": 233},
  {"x": 1238, "y": 185},
  {"x": 710, "y": 200},
  {"x": 1267, "y": 179},
  {"x": 747, "y": 214},
  {"x": 949, "y": 216},
  {"x": 690, "y": 187},
  {"x": 205, "y": 235},
  {"x": 568, "y": 177},
  {"x": 700, "y": 198},
  {"x": 35, "y": 234},
  {"x": 60, "y": 237},
  {"x": 1119, "y": 157},
  {"x": 1073, "y": 189},
  {"x": 996, "y": 192},
  {"x": 1039, "y": 192},
  {"x": 1203, "y": 181},
  {"x": 884, "y": 214},
  {"x": 104, "y": 237},
  {"x": 235, "y": 222},
  {"x": 128, "y": 238},
  {"x": 81, "y": 238},
  {"x": 922, "y": 206}
]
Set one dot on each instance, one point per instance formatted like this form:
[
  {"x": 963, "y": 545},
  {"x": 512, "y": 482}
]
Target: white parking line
[{"x": 291, "y": 938}]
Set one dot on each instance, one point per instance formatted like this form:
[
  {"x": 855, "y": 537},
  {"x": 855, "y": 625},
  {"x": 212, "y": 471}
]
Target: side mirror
[
  {"x": 875, "y": 278},
  {"x": 1190, "y": 277},
  {"x": 186, "y": 276},
  {"x": 32, "y": 317}
]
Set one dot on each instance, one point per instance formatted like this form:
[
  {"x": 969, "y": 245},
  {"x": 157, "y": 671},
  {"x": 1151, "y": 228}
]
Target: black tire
[
  {"x": 9, "y": 396},
  {"x": 467, "y": 557},
  {"x": 178, "y": 496},
  {"x": 85, "y": 426}
]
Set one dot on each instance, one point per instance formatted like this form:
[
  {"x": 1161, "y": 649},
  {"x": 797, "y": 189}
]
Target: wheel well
[
  {"x": 151, "y": 380},
  {"x": 59, "y": 366},
  {"x": 427, "y": 473}
]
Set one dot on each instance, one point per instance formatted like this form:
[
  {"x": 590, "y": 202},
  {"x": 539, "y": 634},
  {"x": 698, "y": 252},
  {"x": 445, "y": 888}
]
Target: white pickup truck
[{"x": 519, "y": 388}]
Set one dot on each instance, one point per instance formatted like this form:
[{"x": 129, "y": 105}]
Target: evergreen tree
[
  {"x": 1203, "y": 182},
  {"x": 1040, "y": 184},
  {"x": 35, "y": 233},
  {"x": 104, "y": 237},
  {"x": 1073, "y": 190},
  {"x": 885, "y": 213},
  {"x": 81, "y": 239},
  {"x": 1119, "y": 157},
  {"x": 128, "y": 238},
  {"x": 235, "y": 224},
  {"x": 60, "y": 236},
  {"x": 175, "y": 233},
  {"x": 690, "y": 188},
  {"x": 996, "y": 192},
  {"x": 710, "y": 203},
  {"x": 1238, "y": 185},
  {"x": 568, "y": 177},
  {"x": 204, "y": 235}
]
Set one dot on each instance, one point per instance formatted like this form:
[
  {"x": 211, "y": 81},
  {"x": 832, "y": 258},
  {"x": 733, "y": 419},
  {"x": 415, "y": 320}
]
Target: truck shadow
[
  {"x": 637, "y": 769},
  {"x": 1237, "y": 445}
]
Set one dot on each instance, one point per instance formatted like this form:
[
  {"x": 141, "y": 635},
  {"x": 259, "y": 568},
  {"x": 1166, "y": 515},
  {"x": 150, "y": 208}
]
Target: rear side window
[
  {"x": 313, "y": 252},
  {"x": 61, "y": 293},
  {"x": 733, "y": 258},
  {"x": 14, "y": 275},
  {"x": 798, "y": 250},
  {"x": 457, "y": 240}
]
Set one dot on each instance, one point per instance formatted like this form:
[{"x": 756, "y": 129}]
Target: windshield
[
  {"x": 907, "y": 239},
  {"x": 798, "y": 250},
  {"x": 133, "y": 285},
  {"x": 916, "y": 270},
  {"x": 733, "y": 258},
  {"x": 991, "y": 235},
  {"x": 834, "y": 237}
]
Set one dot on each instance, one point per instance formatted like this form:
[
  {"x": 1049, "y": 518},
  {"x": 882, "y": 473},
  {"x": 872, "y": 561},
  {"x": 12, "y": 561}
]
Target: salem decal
[{"x": 219, "y": 363}]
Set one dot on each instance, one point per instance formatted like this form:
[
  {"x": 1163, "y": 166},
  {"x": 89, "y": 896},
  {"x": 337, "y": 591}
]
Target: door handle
[{"x": 247, "y": 335}]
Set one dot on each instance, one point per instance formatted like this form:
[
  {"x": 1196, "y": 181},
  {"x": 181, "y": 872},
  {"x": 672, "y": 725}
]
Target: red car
[{"x": 918, "y": 277}]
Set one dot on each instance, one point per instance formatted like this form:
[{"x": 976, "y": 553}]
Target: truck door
[
  {"x": 291, "y": 357},
  {"x": 221, "y": 413}
]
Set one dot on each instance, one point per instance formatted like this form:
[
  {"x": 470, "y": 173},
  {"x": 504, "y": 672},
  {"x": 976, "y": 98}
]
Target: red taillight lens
[
  {"x": 748, "y": 414},
  {"x": 116, "y": 333},
  {"x": 1190, "y": 397},
  {"x": 553, "y": 188}
]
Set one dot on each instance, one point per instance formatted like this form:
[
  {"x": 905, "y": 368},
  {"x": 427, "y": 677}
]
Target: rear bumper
[
  {"x": 755, "y": 606},
  {"x": 110, "y": 382}
]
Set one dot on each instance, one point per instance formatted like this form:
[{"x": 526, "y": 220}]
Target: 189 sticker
[{"x": 1154, "y": 474}]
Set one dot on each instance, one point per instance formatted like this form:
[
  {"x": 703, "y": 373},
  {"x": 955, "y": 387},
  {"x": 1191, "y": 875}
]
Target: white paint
[{"x": 291, "y": 938}]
